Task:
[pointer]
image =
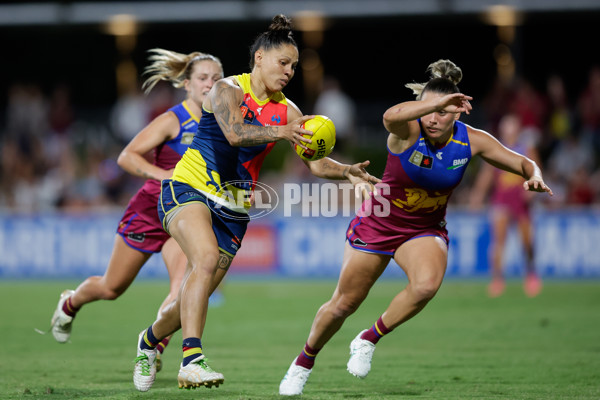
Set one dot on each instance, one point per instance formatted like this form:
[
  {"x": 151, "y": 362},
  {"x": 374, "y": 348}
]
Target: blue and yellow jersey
[
  {"x": 168, "y": 154},
  {"x": 224, "y": 173}
]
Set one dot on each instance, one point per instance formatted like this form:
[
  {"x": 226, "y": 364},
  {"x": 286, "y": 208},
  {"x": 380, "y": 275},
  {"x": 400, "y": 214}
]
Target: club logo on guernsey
[
  {"x": 247, "y": 114},
  {"x": 187, "y": 138},
  {"x": 419, "y": 199},
  {"x": 421, "y": 160},
  {"x": 458, "y": 163}
]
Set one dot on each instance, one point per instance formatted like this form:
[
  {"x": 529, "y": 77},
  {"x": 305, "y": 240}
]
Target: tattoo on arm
[
  {"x": 330, "y": 169},
  {"x": 252, "y": 135},
  {"x": 229, "y": 118},
  {"x": 224, "y": 261},
  {"x": 144, "y": 174}
]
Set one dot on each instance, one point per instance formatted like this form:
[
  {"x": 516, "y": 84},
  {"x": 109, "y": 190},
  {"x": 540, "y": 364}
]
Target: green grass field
[{"x": 462, "y": 346}]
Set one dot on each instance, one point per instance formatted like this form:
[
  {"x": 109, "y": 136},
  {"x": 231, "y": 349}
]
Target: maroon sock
[
  {"x": 69, "y": 309},
  {"x": 377, "y": 331},
  {"x": 161, "y": 346},
  {"x": 307, "y": 357}
]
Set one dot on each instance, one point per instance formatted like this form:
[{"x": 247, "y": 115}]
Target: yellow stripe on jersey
[
  {"x": 192, "y": 115},
  {"x": 451, "y": 139},
  {"x": 191, "y": 169},
  {"x": 244, "y": 81},
  {"x": 458, "y": 142}
]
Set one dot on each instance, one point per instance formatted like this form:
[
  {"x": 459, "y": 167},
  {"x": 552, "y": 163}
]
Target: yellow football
[{"x": 323, "y": 138}]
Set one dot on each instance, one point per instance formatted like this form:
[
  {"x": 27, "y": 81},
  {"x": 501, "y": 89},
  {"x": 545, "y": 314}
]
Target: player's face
[
  {"x": 278, "y": 66},
  {"x": 438, "y": 125},
  {"x": 204, "y": 75},
  {"x": 509, "y": 129}
]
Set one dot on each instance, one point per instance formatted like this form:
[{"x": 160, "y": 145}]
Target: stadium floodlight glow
[
  {"x": 122, "y": 25},
  {"x": 502, "y": 15}
]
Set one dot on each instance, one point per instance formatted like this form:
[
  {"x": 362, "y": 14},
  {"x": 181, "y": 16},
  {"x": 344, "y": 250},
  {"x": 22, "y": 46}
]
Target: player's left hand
[
  {"x": 363, "y": 181},
  {"x": 536, "y": 184}
]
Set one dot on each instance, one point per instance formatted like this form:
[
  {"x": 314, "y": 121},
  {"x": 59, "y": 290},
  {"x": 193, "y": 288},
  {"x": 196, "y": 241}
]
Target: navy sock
[
  {"x": 192, "y": 349},
  {"x": 149, "y": 341}
]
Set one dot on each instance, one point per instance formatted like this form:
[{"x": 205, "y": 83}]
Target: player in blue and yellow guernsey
[
  {"x": 139, "y": 233},
  {"x": 428, "y": 152},
  {"x": 204, "y": 206}
]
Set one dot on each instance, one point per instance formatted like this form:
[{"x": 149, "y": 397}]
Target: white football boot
[
  {"x": 198, "y": 373},
  {"x": 361, "y": 354},
  {"x": 294, "y": 380},
  {"x": 144, "y": 371},
  {"x": 61, "y": 323}
]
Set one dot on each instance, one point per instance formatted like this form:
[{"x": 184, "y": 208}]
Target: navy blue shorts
[{"x": 229, "y": 226}]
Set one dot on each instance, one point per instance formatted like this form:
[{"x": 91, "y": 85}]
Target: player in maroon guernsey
[{"x": 428, "y": 152}]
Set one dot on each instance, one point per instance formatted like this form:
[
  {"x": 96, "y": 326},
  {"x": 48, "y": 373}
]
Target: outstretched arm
[
  {"x": 328, "y": 168},
  {"x": 493, "y": 152}
]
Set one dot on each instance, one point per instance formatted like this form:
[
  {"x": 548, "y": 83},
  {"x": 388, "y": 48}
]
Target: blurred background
[{"x": 70, "y": 100}]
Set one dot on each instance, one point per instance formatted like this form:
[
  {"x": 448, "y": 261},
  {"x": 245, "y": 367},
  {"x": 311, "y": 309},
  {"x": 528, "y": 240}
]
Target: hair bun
[
  {"x": 445, "y": 69},
  {"x": 281, "y": 23}
]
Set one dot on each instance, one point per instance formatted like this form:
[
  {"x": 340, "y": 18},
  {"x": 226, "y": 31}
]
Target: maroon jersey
[{"x": 508, "y": 193}]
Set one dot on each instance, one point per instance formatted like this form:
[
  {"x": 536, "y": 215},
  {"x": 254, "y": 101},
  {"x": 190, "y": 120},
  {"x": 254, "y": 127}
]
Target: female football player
[
  {"x": 428, "y": 152},
  {"x": 204, "y": 206},
  {"x": 140, "y": 233}
]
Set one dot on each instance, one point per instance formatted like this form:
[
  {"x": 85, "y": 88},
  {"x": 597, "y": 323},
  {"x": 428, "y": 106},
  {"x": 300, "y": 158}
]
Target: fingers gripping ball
[{"x": 323, "y": 138}]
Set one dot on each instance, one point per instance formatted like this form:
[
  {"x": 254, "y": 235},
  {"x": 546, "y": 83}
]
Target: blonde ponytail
[{"x": 172, "y": 67}]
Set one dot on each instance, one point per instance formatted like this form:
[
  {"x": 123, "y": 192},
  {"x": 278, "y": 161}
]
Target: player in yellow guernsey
[
  {"x": 204, "y": 205},
  {"x": 227, "y": 174},
  {"x": 139, "y": 233}
]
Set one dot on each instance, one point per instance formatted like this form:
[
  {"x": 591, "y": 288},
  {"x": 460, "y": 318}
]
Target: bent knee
[
  {"x": 424, "y": 290},
  {"x": 112, "y": 293},
  {"x": 345, "y": 306},
  {"x": 207, "y": 263}
]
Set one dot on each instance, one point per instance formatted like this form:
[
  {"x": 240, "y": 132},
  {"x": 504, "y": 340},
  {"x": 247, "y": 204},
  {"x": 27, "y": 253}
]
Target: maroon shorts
[
  {"x": 365, "y": 234},
  {"x": 140, "y": 226}
]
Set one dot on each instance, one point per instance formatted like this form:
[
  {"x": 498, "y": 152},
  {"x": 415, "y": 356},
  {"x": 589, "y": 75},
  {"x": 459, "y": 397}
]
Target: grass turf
[{"x": 464, "y": 345}]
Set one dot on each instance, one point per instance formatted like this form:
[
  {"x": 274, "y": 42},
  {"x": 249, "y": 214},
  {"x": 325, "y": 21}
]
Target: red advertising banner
[{"x": 258, "y": 251}]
